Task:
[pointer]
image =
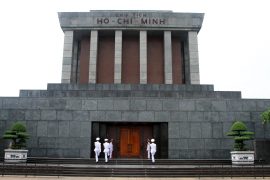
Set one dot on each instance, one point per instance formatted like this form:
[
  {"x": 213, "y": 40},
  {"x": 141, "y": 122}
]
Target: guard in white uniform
[
  {"x": 97, "y": 148},
  {"x": 148, "y": 148},
  {"x": 106, "y": 149},
  {"x": 153, "y": 149},
  {"x": 111, "y": 148}
]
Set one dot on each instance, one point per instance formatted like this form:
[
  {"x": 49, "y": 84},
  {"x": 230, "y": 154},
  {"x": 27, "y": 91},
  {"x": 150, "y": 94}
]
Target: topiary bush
[
  {"x": 18, "y": 135},
  {"x": 240, "y": 134}
]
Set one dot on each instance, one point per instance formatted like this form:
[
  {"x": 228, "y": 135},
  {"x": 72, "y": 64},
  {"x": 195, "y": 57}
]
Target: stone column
[
  {"x": 167, "y": 57},
  {"x": 67, "y": 57},
  {"x": 118, "y": 57},
  {"x": 143, "y": 57},
  {"x": 75, "y": 64},
  {"x": 193, "y": 57},
  {"x": 93, "y": 56}
]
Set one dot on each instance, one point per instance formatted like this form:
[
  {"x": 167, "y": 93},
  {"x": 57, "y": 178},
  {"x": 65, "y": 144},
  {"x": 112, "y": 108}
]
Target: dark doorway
[{"x": 130, "y": 139}]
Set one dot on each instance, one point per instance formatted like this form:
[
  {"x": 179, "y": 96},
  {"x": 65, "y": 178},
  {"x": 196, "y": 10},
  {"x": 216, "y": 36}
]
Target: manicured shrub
[
  {"x": 240, "y": 134},
  {"x": 18, "y": 135}
]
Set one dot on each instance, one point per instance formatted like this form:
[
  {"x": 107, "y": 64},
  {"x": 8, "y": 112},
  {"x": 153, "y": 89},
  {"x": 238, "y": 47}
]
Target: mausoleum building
[{"x": 132, "y": 76}]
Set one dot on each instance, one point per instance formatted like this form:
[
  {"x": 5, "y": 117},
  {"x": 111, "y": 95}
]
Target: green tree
[
  {"x": 18, "y": 135},
  {"x": 265, "y": 116},
  {"x": 240, "y": 133}
]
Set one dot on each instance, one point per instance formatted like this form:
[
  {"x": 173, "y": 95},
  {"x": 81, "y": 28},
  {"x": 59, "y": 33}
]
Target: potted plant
[
  {"x": 241, "y": 155},
  {"x": 17, "y": 136}
]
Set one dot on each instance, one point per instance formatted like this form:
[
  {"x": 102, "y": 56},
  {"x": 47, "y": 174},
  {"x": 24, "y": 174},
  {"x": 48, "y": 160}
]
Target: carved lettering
[
  {"x": 155, "y": 21},
  {"x": 162, "y": 21},
  {"x": 119, "y": 21},
  {"x": 99, "y": 20},
  {"x": 106, "y": 20},
  {"x": 103, "y": 20},
  {"x": 143, "y": 21},
  {"x": 138, "y": 19},
  {"x": 152, "y": 21},
  {"x": 138, "y": 15},
  {"x": 124, "y": 21}
]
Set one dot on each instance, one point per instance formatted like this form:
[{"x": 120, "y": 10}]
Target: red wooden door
[{"x": 129, "y": 142}]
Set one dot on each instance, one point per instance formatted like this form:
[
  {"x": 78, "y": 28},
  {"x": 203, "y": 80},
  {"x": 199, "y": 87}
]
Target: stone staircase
[{"x": 133, "y": 168}]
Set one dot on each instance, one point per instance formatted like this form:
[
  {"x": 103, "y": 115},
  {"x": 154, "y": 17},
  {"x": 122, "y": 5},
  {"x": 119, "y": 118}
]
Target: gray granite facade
[
  {"x": 59, "y": 119},
  {"x": 192, "y": 119}
]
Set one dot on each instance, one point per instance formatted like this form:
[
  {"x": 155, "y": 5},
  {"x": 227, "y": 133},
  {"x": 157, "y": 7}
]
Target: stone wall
[{"x": 59, "y": 119}]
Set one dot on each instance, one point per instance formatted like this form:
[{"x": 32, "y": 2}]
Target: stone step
[
  {"x": 131, "y": 87},
  {"x": 134, "y": 171},
  {"x": 131, "y": 161},
  {"x": 134, "y": 168},
  {"x": 114, "y": 93}
]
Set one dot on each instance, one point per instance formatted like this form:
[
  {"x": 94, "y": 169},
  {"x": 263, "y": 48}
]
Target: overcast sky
[{"x": 234, "y": 50}]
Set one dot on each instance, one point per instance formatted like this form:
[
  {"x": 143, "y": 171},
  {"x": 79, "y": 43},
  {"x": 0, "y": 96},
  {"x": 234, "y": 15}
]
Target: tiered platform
[{"x": 131, "y": 90}]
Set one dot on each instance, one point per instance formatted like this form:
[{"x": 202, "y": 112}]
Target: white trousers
[
  {"x": 110, "y": 154},
  {"x": 106, "y": 156},
  {"x": 153, "y": 156},
  {"x": 96, "y": 155},
  {"x": 148, "y": 154}
]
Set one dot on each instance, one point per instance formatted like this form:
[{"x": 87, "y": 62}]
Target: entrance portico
[{"x": 130, "y": 138}]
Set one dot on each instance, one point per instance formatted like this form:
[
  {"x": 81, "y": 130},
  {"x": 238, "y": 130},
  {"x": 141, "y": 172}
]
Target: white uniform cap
[
  {"x": 97, "y": 138},
  {"x": 105, "y": 139},
  {"x": 152, "y": 140}
]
